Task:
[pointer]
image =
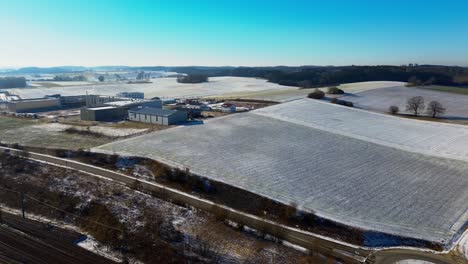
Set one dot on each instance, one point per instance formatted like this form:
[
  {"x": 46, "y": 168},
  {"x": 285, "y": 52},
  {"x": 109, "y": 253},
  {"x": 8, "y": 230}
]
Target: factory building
[
  {"x": 104, "y": 113},
  {"x": 136, "y": 103},
  {"x": 131, "y": 95},
  {"x": 33, "y": 105},
  {"x": 157, "y": 116}
]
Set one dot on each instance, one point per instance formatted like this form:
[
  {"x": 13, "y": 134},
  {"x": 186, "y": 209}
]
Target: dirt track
[{"x": 28, "y": 241}]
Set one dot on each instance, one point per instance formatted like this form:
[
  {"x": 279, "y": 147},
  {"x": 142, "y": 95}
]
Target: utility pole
[{"x": 22, "y": 205}]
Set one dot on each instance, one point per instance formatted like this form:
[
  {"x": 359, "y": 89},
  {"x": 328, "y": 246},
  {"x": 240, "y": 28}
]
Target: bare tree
[
  {"x": 393, "y": 109},
  {"x": 435, "y": 109},
  {"x": 415, "y": 104}
]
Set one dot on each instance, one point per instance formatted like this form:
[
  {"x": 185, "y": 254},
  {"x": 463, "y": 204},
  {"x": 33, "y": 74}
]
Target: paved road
[
  {"x": 348, "y": 252},
  {"x": 28, "y": 241}
]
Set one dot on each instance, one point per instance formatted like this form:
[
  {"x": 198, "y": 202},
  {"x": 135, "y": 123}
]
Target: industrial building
[
  {"x": 116, "y": 110},
  {"x": 136, "y": 103},
  {"x": 104, "y": 113},
  {"x": 131, "y": 95},
  {"x": 33, "y": 105},
  {"x": 157, "y": 116}
]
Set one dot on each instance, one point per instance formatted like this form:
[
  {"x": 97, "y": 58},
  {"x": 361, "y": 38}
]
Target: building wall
[
  {"x": 146, "y": 118},
  {"x": 106, "y": 115},
  {"x": 177, "y": 118},
  {"x": 153, "y": 104},
  {"x": 87, "y": 115},
  {"x": 23, "y": 106}
]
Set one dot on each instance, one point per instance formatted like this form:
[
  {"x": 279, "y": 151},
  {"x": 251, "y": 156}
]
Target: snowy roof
[
  {"x": 102, "y": 108},
  {"x": 154, "y": 111}
]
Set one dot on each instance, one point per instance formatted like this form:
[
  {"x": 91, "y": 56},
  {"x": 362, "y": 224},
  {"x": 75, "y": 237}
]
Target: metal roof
[{"x": 154, "y": 111}]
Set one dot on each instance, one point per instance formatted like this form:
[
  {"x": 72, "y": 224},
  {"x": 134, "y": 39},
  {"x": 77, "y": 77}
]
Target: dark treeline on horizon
[
  {"x": 315, "y": 76},
  {"x": 302, "y": 76}
]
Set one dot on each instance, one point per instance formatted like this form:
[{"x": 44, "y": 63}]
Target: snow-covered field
[
  {"x": 437, "y": 139},
  {"x": 381, "y": 99},
  {"x": 233, "y": 87},
  {"x": 161, "y": 87},
  {"x": 293, "y": 93},
  {"x": 329, "y": 159},
  {"x": 47, "y": 83}
]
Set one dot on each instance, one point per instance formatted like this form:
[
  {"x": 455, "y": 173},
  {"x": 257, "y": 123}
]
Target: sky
[{"x": 232, "y": 32}]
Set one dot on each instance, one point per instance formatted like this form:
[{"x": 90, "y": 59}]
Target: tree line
[
  {"x": 192, "y": 78},
  {"x": 317, "y": 76},
  {"x": 416, "y": 106}
]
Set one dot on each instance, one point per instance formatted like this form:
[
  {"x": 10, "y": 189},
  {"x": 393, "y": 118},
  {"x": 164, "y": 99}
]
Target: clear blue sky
[{"x": 232, "y": 32}]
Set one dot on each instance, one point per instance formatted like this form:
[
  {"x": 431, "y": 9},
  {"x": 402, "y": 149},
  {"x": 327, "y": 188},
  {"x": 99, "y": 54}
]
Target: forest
[{"x": 316, "y": 76}]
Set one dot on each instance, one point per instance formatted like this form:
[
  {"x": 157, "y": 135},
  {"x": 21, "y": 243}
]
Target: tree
[
  {"x": 101, "y": 78},
  {"x": 414, "y": 81},
  {"x": 316, "y": 94},
  {"x": 335, "y": 90},
  {"x": 435, "y": 109},
  {"x": 415, "y": 104},
  {"x": 393, "y": 109}
]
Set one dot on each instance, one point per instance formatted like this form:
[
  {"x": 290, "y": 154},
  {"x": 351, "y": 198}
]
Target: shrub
[
  {"x": 342, "y": 102},
  {"x": 316, "y": 94},
  {"x": 393, "y": 109},
  {"x": 334, "y": 90}
]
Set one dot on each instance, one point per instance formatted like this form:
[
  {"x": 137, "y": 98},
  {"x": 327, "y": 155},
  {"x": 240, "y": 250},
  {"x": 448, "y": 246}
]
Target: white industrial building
[
  {"x": 33, "y": 105},
  {"x": 157, "y": 116}
]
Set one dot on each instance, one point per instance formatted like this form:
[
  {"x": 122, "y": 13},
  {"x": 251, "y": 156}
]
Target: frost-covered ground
[
  {"x": 438, "y": 139},
  {"x": 293, "y": 93},
  {"x": 161, "y": 87},
  {"x": 52, "y": 83},
  {"x": 381, "y": 99},
  {"x": 188, "y": 230},
  {"x": 252, "y": 88},
  {"x": 106, "y": 131},
  {"x": 322, "y": 157},
  {"x": 52, "y": 135}
]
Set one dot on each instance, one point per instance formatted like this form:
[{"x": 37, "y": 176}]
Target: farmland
[
  {"x": 380, "y": 99},
  {"x": 36, "y": 133},
  {"x": 161, "y": 87},
  {"x": 444, "y": 140},
  {"x": 346, "y": 176},
  {"x": 292, "y": 93}
]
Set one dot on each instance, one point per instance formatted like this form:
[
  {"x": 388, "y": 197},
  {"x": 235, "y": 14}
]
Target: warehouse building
[
  {"x": 157, "y": 116},
  {"x": 104, "y": 113},
  {"x": 136, "y": 103},
  {"x": 33, "y": 105}
]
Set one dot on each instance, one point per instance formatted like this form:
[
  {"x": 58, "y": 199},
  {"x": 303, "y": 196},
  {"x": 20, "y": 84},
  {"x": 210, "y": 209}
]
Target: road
[
  {"x": 28, "y": 241},
  {"x": 345, "y": 251}
]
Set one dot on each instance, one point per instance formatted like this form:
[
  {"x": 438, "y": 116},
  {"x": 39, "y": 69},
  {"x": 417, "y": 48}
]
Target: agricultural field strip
[
  {"x": 437, "y": 139},
  {"x": 293, "y": 93},
  {"x": 319, "y": 171},
  {"x": 381, "y": 99},
  {"x": 161, "y": 87}
]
